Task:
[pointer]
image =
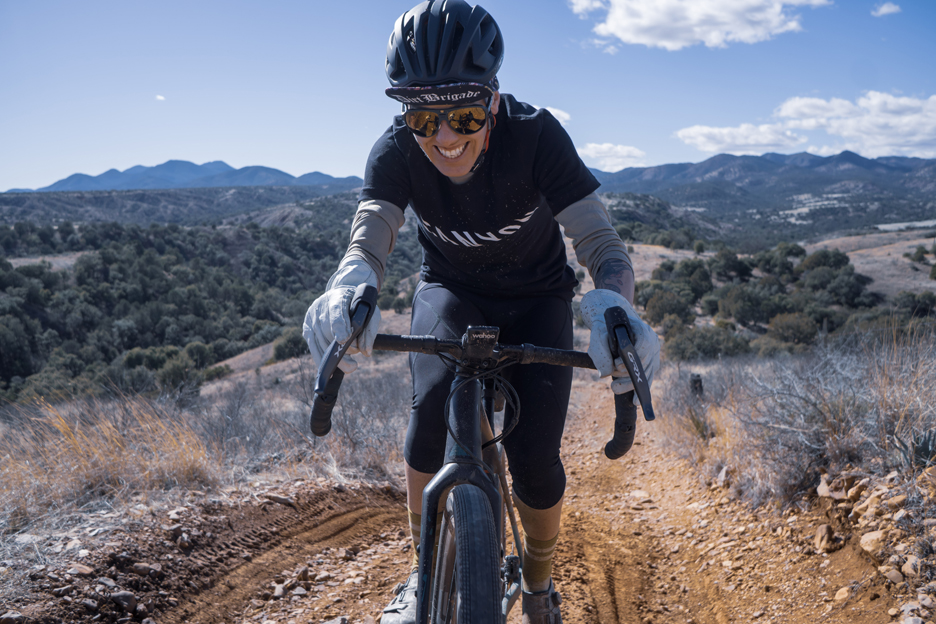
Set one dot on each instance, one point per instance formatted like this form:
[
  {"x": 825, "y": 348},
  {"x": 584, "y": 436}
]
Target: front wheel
[{"x": 466, "y": 585}]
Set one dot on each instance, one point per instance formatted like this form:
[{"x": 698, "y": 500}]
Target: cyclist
[{"x": 490, "y": 180}]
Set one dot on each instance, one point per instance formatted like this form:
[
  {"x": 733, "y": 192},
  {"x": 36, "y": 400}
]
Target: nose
[{"x": 446, "y": 136}]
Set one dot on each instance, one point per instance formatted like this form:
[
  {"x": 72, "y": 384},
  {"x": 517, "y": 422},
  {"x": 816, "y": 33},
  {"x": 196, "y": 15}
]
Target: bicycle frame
[{"x": 461, "y": 453}]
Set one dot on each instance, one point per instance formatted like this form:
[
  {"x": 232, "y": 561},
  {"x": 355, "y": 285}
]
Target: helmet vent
[{"x": 457, "y": 35}]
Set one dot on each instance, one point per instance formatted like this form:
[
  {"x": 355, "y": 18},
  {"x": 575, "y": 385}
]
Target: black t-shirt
[{"x": 495, "y": 234}]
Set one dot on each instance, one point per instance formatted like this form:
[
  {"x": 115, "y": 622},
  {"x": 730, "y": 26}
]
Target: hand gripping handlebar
[
  {"x": 622, "y": 339},
  {"x": 330, "y": 376}
]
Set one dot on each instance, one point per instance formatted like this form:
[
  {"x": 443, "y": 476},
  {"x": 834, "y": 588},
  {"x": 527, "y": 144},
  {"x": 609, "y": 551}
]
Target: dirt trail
[{"x": 644, "y": 540}]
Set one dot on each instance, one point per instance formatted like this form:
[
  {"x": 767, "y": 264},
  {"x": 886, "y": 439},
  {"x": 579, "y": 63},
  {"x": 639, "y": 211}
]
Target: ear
[{"x": 495, "y": 102}]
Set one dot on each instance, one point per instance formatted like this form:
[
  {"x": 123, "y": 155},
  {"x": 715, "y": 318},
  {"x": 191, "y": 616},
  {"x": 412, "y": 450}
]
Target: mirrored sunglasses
[{"x": 425, "y": 122}]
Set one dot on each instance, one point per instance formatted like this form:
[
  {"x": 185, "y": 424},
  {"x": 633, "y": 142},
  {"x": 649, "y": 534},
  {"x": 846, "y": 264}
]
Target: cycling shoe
[
  {"x": 541, "y": 607},
  {"x": 402, "y": 609}
]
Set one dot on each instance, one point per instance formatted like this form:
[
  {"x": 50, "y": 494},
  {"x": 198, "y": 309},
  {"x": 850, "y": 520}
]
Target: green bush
[
  {"x": 709, "y": 305},
  {"x": 672, "y": 324},
  {"x": 645, "y": 289},
  {"x": 743, "y": 304},
  {"x": 153, "y": 358},
  {"x": 726, "y": 266},
  {"x": 768, "y": 346},
  {"x": 919, "y": 255},
  {"x": 795, "y": 328},
  {"x": 933, "y": 270},
  {"x": 819, "y": 278},
  {"x": 699, "y": 247},
  {"x": 178, "y": 371},
  {"x": 386, "y": 299},
  {"x": 217, "y": 372},
  {"x": 832, "y": 258},
  {"x": 290, "y": 345},
  {"x": 666, "y": 303},
  {"x": 917, "y": 304},
  {"x": 704, "y": 343},
  {"x": 200, "y": 354}
]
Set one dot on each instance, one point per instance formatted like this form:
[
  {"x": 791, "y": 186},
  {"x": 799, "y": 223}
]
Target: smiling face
[{"x": 455, "y": 154}]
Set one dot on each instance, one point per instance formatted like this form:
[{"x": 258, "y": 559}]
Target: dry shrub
[
  {"x": 777, "y": 422},
  {"x": 57, "y": 457},
  {"x": 368, "y": 423}
]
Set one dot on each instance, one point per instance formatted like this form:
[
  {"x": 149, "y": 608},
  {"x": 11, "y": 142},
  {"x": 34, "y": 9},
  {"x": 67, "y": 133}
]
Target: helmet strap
[{"x": 487, "y": 141}]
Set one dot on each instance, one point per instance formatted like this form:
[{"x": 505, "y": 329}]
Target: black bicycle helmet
[{"x": 444, "y": 51}]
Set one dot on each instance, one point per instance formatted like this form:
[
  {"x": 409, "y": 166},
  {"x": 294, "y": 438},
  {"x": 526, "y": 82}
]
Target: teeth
[{"x": 455, "y": 153}]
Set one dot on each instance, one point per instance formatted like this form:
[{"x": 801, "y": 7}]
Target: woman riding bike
[{"x": 490, "y": 180}]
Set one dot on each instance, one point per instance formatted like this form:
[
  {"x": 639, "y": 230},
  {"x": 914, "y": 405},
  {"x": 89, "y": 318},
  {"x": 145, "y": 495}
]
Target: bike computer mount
[{"x": 478, "y": 345}]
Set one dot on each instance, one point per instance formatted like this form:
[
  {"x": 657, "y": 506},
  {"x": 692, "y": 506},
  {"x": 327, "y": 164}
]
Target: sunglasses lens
[
  {"x": 422, "y": 122},
  {"x": 467, "y": 120}
]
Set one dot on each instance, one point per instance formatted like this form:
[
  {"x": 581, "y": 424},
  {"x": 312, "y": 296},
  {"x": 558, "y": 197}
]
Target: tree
[
  {"x": 664, "y": 303},
  {"x": 726, "y": 265},
  {"x": 917, "y": 304},
  {"x": 704, "y": 342},
  {"x": 200, "y": 354},
  {"x": 919, "y": 255},
  {"x": 178, "y": 371},
  {"x": 796, "y": 328},
  {"x": 17, "y": 357},
  {"x": 742, "y": 304},
  {"x": 290, "y": 345},
  {"x": 832, "y": 258}
]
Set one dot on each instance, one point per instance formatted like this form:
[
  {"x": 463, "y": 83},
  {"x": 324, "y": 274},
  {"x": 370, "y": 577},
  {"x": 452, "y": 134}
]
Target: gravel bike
[{"x": 472, "y": 579}]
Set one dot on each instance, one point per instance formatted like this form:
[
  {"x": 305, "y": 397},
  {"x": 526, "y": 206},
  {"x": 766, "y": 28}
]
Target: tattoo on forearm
[{"x": 617, "y": 276}]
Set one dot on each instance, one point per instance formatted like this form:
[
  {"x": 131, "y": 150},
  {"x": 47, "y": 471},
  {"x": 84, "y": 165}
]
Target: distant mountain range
[
  {"x": 789, "y": 197},
  {"x": 726, "y": 183},
  {"x": 178, "y": 174}
]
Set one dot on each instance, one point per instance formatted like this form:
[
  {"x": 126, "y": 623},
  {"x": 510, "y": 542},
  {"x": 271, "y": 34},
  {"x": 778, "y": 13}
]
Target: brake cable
[{"x": 500, "y": 383}]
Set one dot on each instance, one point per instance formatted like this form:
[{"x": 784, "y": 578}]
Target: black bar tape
[{"x": 625, "y": 426}]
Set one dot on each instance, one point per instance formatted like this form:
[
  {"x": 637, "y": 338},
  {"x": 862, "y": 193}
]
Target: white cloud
[
  {"x": 562, "y": 116},
  {"x": 876, "y": 124},
  {"x": 676, "y": 24},
  {"x": 743, "y": 139},
  {"x": 610, "y": 157},
  {"x": 812, "y": 113},
  {"x": 824, "y": 150},
  {"x": 160, "y": 98},
  {"x": 605, "y": 45},
  {"x": 885, "y": 9},
  {"x": 583, "y": 7}
]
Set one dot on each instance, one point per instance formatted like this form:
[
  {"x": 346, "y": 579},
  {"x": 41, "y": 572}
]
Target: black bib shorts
[{"x": 533, "y": 446}]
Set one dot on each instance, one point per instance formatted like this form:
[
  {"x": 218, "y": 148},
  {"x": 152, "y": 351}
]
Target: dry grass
[
  {"x": 59, "y": 458},
  {"x": 777, "y": 422}
]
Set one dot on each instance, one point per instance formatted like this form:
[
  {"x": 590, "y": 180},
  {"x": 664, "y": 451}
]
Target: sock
[
  {"x": 537, "y": 563},
  {"x": 415, "y": 527}
]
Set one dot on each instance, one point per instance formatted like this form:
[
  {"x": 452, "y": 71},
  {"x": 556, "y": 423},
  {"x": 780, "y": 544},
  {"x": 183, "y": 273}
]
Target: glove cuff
[{"x": 353, "y": 272}]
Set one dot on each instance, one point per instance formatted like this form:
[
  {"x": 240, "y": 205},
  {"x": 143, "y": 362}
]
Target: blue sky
[{"x": 89, "y": 86}]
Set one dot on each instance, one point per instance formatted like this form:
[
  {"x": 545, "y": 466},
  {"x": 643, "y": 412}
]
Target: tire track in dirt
[
  {"x": 300, "y": 543},
  {"x": 644, "y": 540}
]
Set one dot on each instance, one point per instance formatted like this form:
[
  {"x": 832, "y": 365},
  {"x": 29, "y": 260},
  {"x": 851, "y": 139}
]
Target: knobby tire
[{"x": 466, "y": 584}]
